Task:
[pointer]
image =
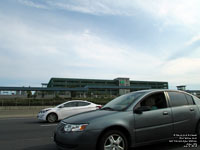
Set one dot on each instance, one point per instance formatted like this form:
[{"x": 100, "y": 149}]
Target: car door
[
  {"x": 83, "y": 107},
  {"x": 185, "y": 112},
  {"x": 67, "y": 109},
  {"x": 154, "y": 123}
]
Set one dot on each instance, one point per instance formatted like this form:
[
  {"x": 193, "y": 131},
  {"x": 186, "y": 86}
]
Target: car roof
[
  {"x": 162, "y": 90},
  {"x": 78, "y": 101}
]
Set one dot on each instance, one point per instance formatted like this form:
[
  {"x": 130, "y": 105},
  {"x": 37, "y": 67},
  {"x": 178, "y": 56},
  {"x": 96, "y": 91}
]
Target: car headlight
[
  {"x": 74, "y": 127},
  {"x": 43, "y": 111}
]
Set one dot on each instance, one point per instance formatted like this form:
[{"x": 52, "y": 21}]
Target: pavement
[
  {"x": 30, "y": 134},
  {"x": 20, "y": 130},
  {"x": 26, "y": 134}
]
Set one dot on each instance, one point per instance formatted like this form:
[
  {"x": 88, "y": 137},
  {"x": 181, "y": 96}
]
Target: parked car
[
  {"x": 131, "y": 120},
  {"x": 65, "y": 110}
]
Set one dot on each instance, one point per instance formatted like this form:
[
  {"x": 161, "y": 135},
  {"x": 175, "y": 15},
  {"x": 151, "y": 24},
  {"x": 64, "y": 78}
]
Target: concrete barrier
[
  {"x": 22, "y": 107},
  {"x": 20, "y": 111}
]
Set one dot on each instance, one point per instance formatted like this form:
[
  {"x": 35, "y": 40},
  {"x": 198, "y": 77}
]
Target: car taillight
[{"x": 98, "y": 107}]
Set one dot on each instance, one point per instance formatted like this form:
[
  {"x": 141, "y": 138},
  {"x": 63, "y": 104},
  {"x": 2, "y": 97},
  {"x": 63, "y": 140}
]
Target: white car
[{"x": 66, "y": 109}]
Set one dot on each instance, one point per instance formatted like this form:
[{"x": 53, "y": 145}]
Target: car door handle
[
  {"x": 165, "y": 113},
  {"x": 191, "y": 109}
]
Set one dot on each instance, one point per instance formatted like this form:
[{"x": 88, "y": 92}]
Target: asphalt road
[
  {"x": 29, "y": 134},
  {"x": 26, "y": 134}
]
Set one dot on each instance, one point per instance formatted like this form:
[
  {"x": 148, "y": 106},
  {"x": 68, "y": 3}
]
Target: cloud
[
  {"x": 190, "y": 49},
  {"x": 110, "y": 54},
  {"x": 33, "y": 4},
  {"x": 184, "y": 12},
  {"x": 182, "y": 66},
  {"x": 38, "y": 49},
  {"x": 98, "y": 7},
  {"x": 170, "y": 12},
  {"x": 32, "y": 52},
  {"x": 41, "y": 53},
  {"x": 194, "y": 40},
  {"x": 182, "y": 70}
]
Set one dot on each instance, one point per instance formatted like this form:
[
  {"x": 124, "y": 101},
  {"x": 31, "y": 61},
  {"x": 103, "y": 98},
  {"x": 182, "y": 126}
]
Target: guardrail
[{"x": 44, "y": 102}]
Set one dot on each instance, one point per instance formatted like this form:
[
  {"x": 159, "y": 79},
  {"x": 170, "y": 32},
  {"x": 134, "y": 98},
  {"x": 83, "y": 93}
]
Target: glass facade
[{"x": 100, "y": 87}]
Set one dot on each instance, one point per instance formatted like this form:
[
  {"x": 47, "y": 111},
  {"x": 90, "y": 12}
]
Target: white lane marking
[{"x": 48, "y": 125}]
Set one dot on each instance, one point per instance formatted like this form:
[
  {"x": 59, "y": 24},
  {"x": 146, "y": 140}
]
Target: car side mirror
[{"x": 141, "y": 109}]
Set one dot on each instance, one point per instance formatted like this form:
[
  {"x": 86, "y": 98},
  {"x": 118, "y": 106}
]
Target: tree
[{"x": 29, "y": 94}]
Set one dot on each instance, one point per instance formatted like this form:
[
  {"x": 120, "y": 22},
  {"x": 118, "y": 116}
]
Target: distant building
[
  {"x": 100, "y": 87},
  {"x": 193, "y": 92},
  {"x": 181, "y": 87},
  {"x": 82, "y": 88}
]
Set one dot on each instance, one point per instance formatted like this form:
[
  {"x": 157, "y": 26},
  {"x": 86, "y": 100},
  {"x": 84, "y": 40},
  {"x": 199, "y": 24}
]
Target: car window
[
  {"x": 197, "y": 100},
  {"x": 153, "y": 102},
  {"x": 190, "y": 99},
  {"x": 83, "y": 103},
  {"x": 177, "y": 99},
  {"x": 124, "y": 101},
  {"x": 70, "y": 104}
]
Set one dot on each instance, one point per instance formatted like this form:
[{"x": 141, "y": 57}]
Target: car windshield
[
  {"x": 123, "y": 102},
  {"x": 60, "y": 105}
]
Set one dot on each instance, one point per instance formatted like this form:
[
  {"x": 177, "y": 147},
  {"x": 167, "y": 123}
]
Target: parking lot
[{"x": 29, "y": 134}]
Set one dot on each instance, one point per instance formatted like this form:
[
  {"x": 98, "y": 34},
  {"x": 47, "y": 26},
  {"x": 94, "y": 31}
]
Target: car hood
[
  {"x": 86, "y": 117},
  {"x": 48, "y": 108}
]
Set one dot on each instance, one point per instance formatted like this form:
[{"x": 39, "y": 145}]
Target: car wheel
[
  {"x": 113, "y": 140},
  {"x": 52, "y": 118}
]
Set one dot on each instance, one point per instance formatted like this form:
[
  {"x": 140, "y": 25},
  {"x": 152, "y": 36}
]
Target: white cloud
[
  {"x": 37, "y": 52},
  {"x": 182, "y": 66},
  {"x": 182, "y": 71},
  {"x": 182, "y": 12},
  {"x": 193, "y": 40},
  {"x": 173, "y": 11},
  {"x": 33, "y": 4},
  {"x": 85, "y": 6},
  {"x": 33, "y": 53}
]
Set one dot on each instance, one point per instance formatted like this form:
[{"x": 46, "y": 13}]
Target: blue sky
[{"x": 154, "y": 40}]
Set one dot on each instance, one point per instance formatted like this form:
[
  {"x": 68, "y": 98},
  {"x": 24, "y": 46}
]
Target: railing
[{"x": 46, "y": 102}]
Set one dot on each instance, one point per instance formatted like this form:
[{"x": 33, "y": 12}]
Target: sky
[{"x": 145, "y": 40}]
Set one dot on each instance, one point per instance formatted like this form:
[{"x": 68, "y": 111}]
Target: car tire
[
  {"x": 52, "y": 117},
  {"x": 113, "y": 139}
]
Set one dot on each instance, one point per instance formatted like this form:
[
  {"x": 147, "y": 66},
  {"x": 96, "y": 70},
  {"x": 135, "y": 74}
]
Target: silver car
[{"x": 131, "y": 120}]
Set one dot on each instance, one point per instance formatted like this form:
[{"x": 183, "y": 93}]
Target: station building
[
  {"x": 82, "y": 88},
  {"x": 100, "y": 87}
]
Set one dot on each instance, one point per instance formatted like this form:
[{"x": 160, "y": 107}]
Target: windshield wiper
[{"x": 107, "y": 108}]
